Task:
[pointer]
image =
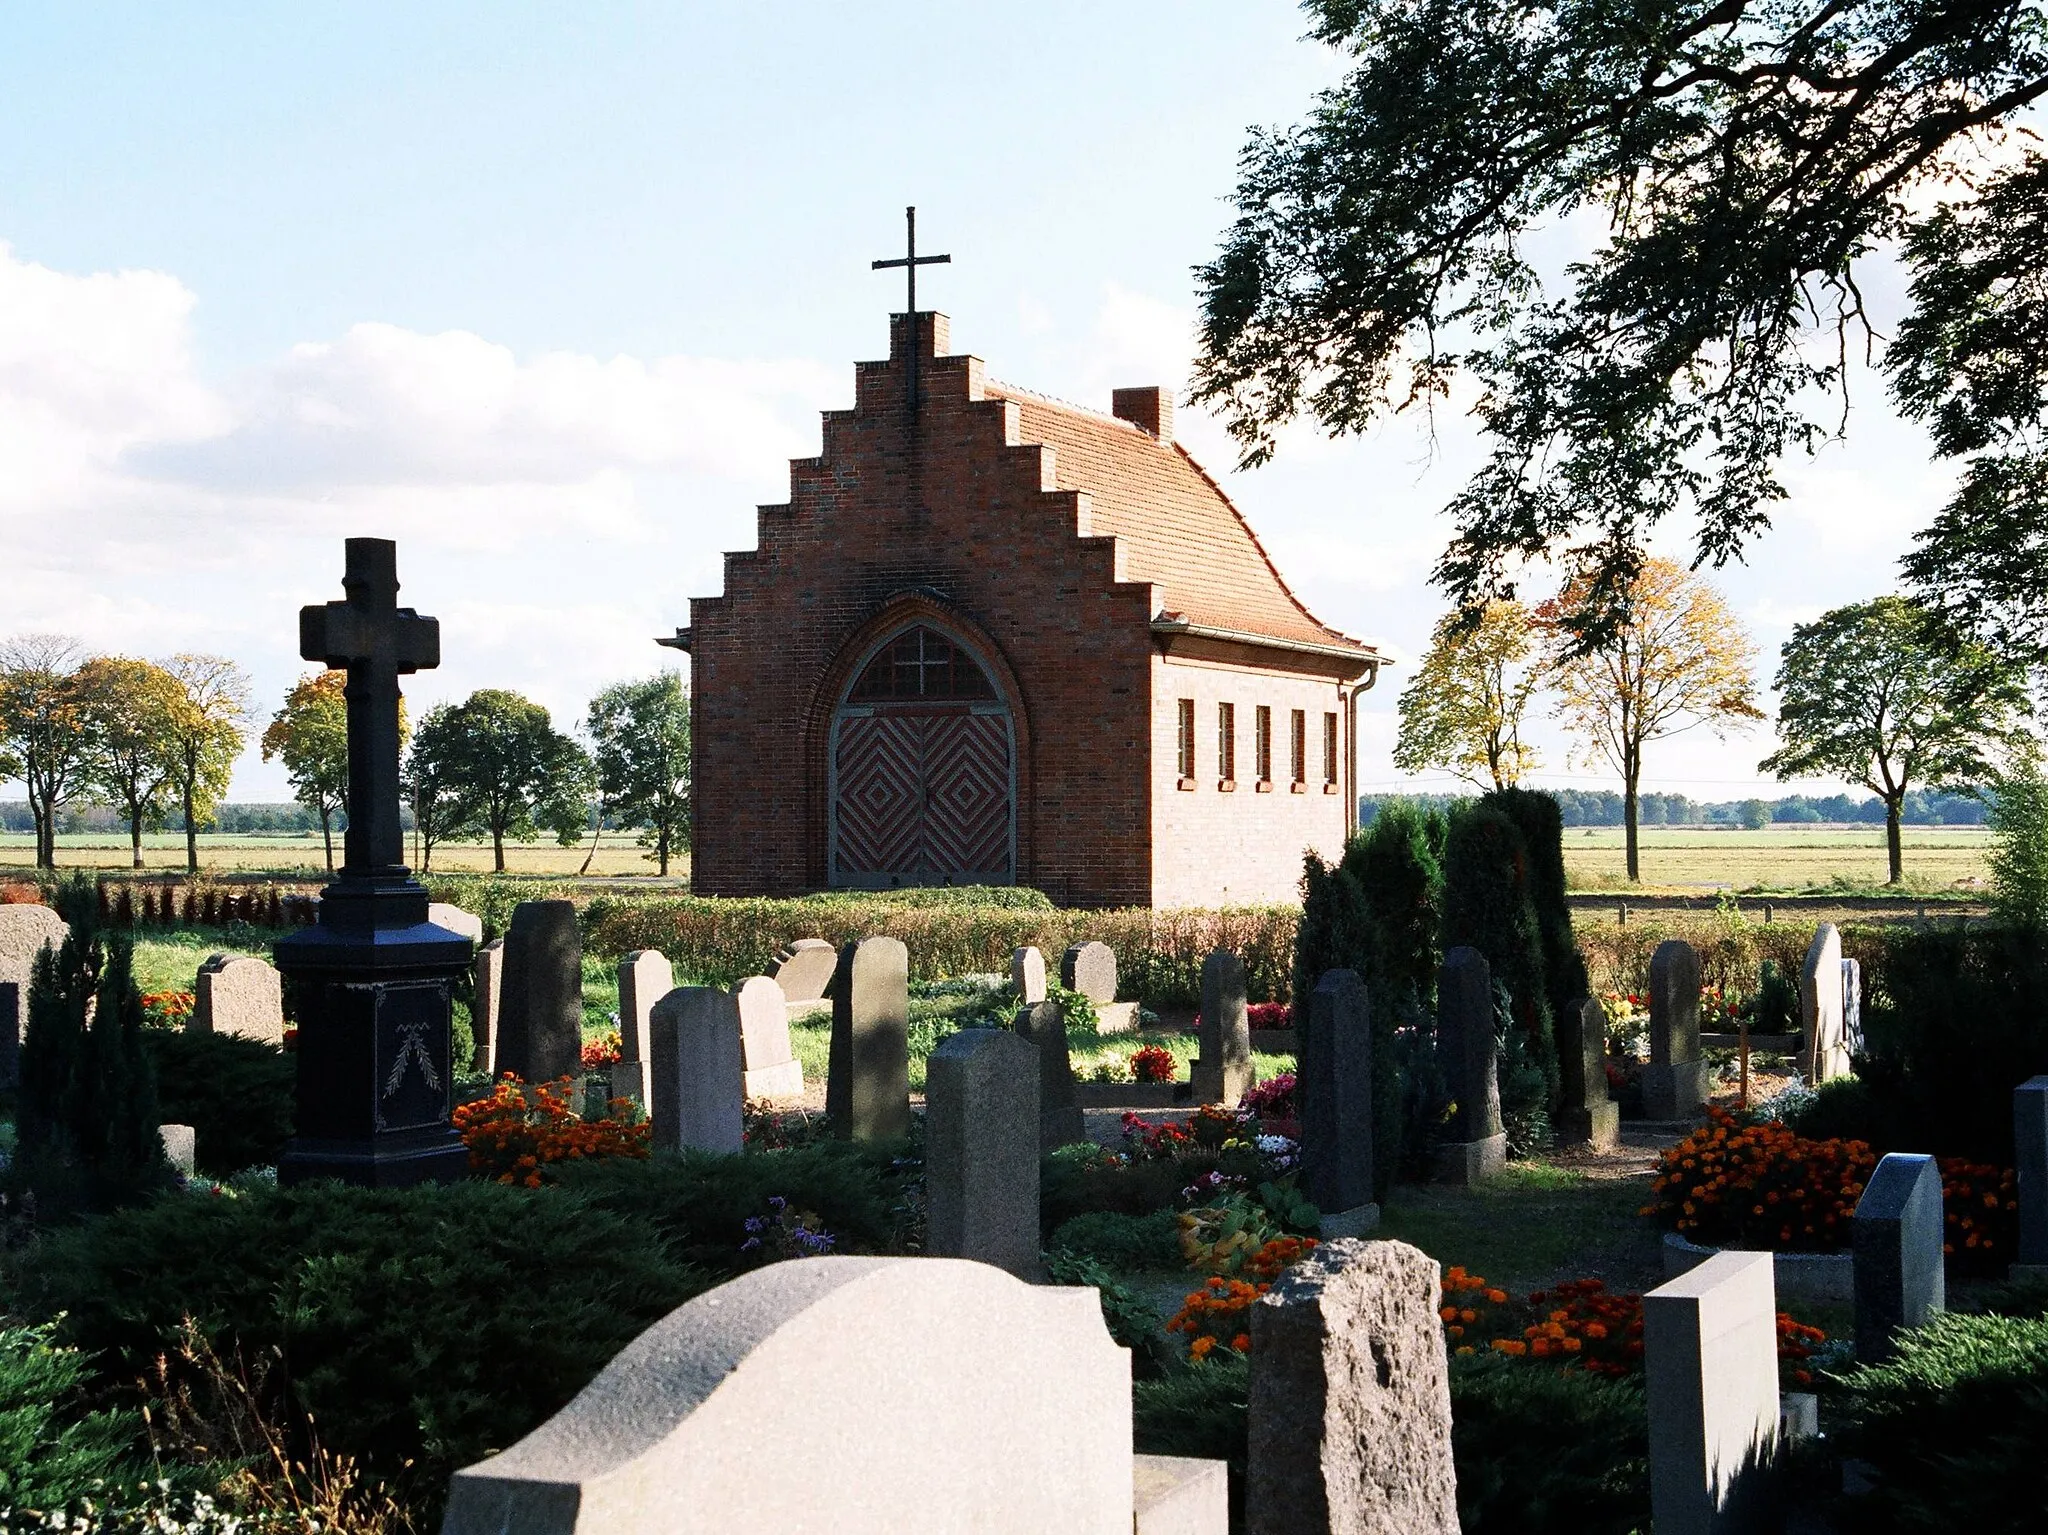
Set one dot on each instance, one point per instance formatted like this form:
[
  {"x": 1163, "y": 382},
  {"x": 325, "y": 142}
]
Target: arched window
[{"x": 921, "y": 663}]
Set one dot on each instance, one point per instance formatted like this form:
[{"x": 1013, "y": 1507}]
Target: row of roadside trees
[
  {"x": 495, "y": 766},
  {"x": 154, "y": 739},
  {"x": 1878, "y": 693}
]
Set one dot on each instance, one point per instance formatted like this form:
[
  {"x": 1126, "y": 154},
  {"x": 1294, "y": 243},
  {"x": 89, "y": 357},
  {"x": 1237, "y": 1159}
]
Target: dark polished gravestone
[{"x": 370, "y": 983}]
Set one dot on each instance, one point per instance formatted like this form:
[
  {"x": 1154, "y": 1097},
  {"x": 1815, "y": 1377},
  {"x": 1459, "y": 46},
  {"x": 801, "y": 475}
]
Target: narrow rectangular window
[
  {"x": 1262, "y": 742},
  {"x": 1187, "y": 738},
  {"x": 1330, "y": 750},
  {"x": 1226, "y": 742},
  {"x": 1297, "y": 757}
]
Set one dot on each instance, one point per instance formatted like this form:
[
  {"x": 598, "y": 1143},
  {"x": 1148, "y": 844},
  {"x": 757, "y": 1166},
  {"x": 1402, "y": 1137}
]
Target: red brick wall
[{"x": 954, "y": 521}]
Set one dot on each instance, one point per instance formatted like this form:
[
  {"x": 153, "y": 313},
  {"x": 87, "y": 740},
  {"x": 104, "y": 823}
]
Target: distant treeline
[
  {"x": 240, "y": 819},
  {"x": 1602, "y": 807}
]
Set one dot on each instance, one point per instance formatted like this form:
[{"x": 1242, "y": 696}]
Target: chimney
[{"x": 1150, "y": 409}]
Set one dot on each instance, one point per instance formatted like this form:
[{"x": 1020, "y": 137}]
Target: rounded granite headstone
[
  {"x": 1090, "y": 969},
  {"x": 233, "y": 994},
  {"x": 1027, "y": 976}
]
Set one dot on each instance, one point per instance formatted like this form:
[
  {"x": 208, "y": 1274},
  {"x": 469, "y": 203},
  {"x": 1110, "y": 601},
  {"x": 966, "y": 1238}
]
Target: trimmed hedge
[{"x": 719, "y": 942}]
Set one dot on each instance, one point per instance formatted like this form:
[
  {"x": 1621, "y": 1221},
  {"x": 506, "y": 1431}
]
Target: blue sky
[{"x": 551, "y": 293}]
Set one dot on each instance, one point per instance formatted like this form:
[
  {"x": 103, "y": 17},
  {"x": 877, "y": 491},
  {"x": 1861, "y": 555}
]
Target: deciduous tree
[
  {"x": 131, "y": 724},
  {"x": 506, "y": 766},
  {"x": 1876, "y": 694},
  {"x": 210, "y": 728},
  {"x": 1675, "y": 658},
  {"x": 640, "y": 740},
  {"x": 310, "y": 736},
  {"x": 1463, "y": 709},
  {"x": 43, "y": 726},
  {"x": 1744, "y": 159}
]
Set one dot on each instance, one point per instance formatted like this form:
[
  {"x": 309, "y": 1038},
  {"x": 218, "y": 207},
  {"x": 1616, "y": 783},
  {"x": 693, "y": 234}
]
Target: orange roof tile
[{"x": 1180, "y": 532}]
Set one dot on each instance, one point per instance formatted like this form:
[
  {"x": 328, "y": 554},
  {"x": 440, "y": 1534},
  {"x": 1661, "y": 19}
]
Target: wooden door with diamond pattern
[{"x": 923, "y": 797}]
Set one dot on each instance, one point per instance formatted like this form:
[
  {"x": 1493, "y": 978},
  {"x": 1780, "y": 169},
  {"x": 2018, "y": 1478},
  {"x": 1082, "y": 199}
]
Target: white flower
[{"x": 1275, "y": 1145}]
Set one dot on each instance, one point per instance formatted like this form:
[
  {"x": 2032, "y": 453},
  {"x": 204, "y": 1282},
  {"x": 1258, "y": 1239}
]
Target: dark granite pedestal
[{"x": 371, "y": 985}]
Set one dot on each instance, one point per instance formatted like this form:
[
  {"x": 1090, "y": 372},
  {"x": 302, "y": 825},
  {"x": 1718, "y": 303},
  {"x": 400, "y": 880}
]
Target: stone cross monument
[{"x": 370, "y": 981}]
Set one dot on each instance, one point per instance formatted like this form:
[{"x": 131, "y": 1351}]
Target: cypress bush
[
  {"x": 1543, "y": 1450},
  {"x": 1377, "y": 912},
  {"x": 1487, "y": 903},
  {"x": 86, "y": 1125},
  {"x": 1537, "y": 817}
]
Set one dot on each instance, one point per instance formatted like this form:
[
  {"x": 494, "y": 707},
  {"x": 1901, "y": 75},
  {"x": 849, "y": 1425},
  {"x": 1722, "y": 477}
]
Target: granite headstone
[
  {"x": 1060, "y": 1121},
  {"x": 1333, "y": 1093},
  {"x": 1027, "y": 976},
  {"x": 2030, "y": 1158},
  {"x": 1223, "y": 1072},
  {"x": 1349, "y": 1423},
  {"x": 982, "y": 1148},
  {"x": 1710, "y": 1363},
  {"x": 1587, "y": 1115},
  {"x": 854, "y": 1395},
  {"x": 694, "y": 1071},
  {"x": 772, "y": 1070},
  {"x": 540, "y": 1014},
  {"x": 233, "y": 994},
  {"x": 1477, "y": 1145},
  {"x": 1824, "y": 1050},
  {"x": 1674, "y": 1083},
  {"x": 867, "y": 1084},
  {"x": 645, "y": 977},
  {"x": 1897, "y": 1239},
  {"x": 483, "y": 1013}
]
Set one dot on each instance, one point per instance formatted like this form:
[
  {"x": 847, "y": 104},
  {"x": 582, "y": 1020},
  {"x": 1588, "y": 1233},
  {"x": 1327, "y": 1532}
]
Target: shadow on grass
[{"x": 1532, "y": 1226}]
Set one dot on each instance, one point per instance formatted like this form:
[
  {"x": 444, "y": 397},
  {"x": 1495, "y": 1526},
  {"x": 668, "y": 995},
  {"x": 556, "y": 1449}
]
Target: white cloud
[{"x": 557, "y": 511}]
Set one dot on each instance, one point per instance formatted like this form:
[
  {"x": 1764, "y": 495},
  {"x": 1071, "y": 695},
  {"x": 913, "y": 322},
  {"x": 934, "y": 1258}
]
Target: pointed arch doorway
[{"x": 923, "y": 783}]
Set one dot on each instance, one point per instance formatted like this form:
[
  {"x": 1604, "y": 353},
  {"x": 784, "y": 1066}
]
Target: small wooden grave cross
[{"x": 376, "y": 641}]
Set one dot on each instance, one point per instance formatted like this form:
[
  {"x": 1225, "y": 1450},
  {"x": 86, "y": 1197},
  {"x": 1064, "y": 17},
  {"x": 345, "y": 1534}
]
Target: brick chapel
[{"x": 996, "y": 639}]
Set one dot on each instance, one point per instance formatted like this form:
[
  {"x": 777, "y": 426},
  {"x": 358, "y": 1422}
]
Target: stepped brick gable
[{"x": 1004, "y": 640}]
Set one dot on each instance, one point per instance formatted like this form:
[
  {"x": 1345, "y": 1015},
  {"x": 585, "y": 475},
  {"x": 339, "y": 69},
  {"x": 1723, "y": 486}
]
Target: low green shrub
[
  {"x": 1118, "y": 1241},
  {"x": 52, "y": 1450},
  {"x": 421, "y": 1328},
  {"x": 1954, "y": 1020},
  {"x": 1950, "y": 1430},
  {"x": 1131, "y": 1321},
  {"x": 699, "y": 1204},
  {"x": 1541, "y": 1450},
  {"x": 1079, "y": 1180},
  {"x": 238, "y": 1094},
  {"x": 1198, "y": 1410}
]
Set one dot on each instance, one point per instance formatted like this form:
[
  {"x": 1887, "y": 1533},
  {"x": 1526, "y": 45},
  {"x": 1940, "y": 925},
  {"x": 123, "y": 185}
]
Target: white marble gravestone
[{"x": 855, "y": 1396}]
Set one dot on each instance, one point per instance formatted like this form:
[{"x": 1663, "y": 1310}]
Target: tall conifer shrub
[
  {"x": 86, "y": 1126},
  {"x": 1376, "y": 912},
  {"x": 1541, "y": 823},
  {"x": 1488, "y": 904}
]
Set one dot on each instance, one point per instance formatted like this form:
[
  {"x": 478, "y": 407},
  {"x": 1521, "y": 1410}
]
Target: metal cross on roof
[
  {"x": 376, "y": 640},
  {"x": 910, "y": 261}
]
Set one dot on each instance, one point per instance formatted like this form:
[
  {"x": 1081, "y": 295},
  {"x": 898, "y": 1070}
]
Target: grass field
[
  {"x": 302, "y": 853},
  {"x": 1939, "y": 859}
]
